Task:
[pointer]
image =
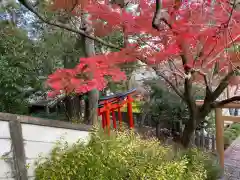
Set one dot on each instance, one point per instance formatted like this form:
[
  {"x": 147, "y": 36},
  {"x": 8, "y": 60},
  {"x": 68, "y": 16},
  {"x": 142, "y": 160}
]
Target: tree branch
[
  {"x": 176, "y": 90},
  {"x": 28, "y": 5},
  {"x": 226, "y": 101},
  {"x": 231, "y": 13},
  {"x": 171, "y": 84},
  {"x": 208, "y": 87},
  {"x": 158, "y": 16},
  {"x": 188, "y": 92},
  {"x": 187, "y": 96},
  {"x": 210, "y": 99},
  {"x": 222, "y": 85},
  {"x": 171, "y": 67}
]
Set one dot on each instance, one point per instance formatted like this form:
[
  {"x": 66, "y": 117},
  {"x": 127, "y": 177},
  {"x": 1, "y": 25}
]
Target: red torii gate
[{"x": 110, "y": 104}]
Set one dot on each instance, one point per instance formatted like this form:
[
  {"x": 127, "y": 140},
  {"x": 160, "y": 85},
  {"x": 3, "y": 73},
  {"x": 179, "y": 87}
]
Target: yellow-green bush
[
  {"x": 122, "y": 156},
  {"x": 231, "y": 133}
]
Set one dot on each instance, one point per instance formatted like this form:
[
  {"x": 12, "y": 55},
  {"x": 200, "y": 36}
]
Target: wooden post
[
  {"x": 129, "y": 108},
  {"x": 219, "y": 135},
  {"x": 213, "y": 139},
  {"x": 18, "y": 150},
  {"x": 47, "y": 110},
  {"x": 207, "y": 140}
]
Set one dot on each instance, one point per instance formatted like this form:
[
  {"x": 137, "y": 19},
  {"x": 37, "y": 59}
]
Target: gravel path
[{"x": 232, "y": 161}]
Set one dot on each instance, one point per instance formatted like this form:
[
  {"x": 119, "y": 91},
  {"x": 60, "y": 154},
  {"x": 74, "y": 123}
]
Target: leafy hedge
[
  {"x": 124, "y": 156},
  {"x": 231, "y": 133},
  {"x": 167, "y": 105}
]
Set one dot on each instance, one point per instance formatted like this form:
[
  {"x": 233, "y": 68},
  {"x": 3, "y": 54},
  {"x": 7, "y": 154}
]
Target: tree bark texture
[
  {"x": 91, "y": 114},
  {"x": 73, "y": 107}
]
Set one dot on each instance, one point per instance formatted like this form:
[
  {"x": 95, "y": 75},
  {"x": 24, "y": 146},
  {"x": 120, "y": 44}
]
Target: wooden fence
[
  {"x": 219, "y": 121},
  {"x": 24, "y": 138},
  {"x": 204, "y": 140}
]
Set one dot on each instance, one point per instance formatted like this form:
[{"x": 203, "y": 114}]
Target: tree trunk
[
  {"x": 93, "y": 97},
  {"x": 193, "y": 122},
  {"x": 72, "y": 104},
  {"x": 91, "y": 115},
  {"x": 187, "y": 133},
  {"x": 86, "y": 111}
]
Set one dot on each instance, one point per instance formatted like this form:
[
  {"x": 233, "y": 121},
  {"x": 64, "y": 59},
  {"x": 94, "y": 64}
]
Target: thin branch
[
  {"x": 148, "y": 44},
  {"x": 231, "y": 13},
  {"x": 226, "y": 24},
  {"x": 237, "y": 88},
  {"x": 213, "y": 48},
  {"x": 174, "y": 73},
  {"x": 171, "y": 84},
  {"x": 74, "y": 6},
  {"x": 187, "y": 96},
  {"x": 165, "y": 78},
  {"x": 234, "y": 45},
  {"x": 26, "y": 4},
  {"x": 208, "y": 87},
  {"x": 158, "y": 17},
  {"x": 226, "y": 101},
  {"x": 230, "y": 43},
  {"x": 222, "y": 85},
  {"x": 170, "y": 64},
  {"x": 175, "y": 66}
]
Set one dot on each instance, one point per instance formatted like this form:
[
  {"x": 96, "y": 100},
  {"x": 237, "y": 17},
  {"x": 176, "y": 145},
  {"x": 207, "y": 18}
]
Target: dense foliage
[
  {"x": 167, "y": 106},
  {"x": 30, "y": 61},
  {"x": 30, "y": 51},
  {"x": 231, "y": 133},
  {"x": 18, "y": 68},
  {"x": 179, "y": 36},
  {"x": 183, "y": 41},
  {"x": 124, "y": 156}
]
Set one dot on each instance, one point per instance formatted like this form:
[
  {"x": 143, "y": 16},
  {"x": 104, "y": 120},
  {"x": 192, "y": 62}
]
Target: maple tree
[{"x": 193, "y": 37}]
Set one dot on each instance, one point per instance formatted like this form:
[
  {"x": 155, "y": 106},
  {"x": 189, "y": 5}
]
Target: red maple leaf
[{"x": 200, "y": 31}]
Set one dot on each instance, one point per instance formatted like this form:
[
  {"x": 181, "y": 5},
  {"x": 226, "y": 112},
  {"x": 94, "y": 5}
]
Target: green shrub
[
  {"x": 122, "y": 156},
  {"x": 231, "y": 133},
  {"x": 165, "y": 108},
  {"x": 209, "y": 162},
  {"x": 236, "y": 126}
]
